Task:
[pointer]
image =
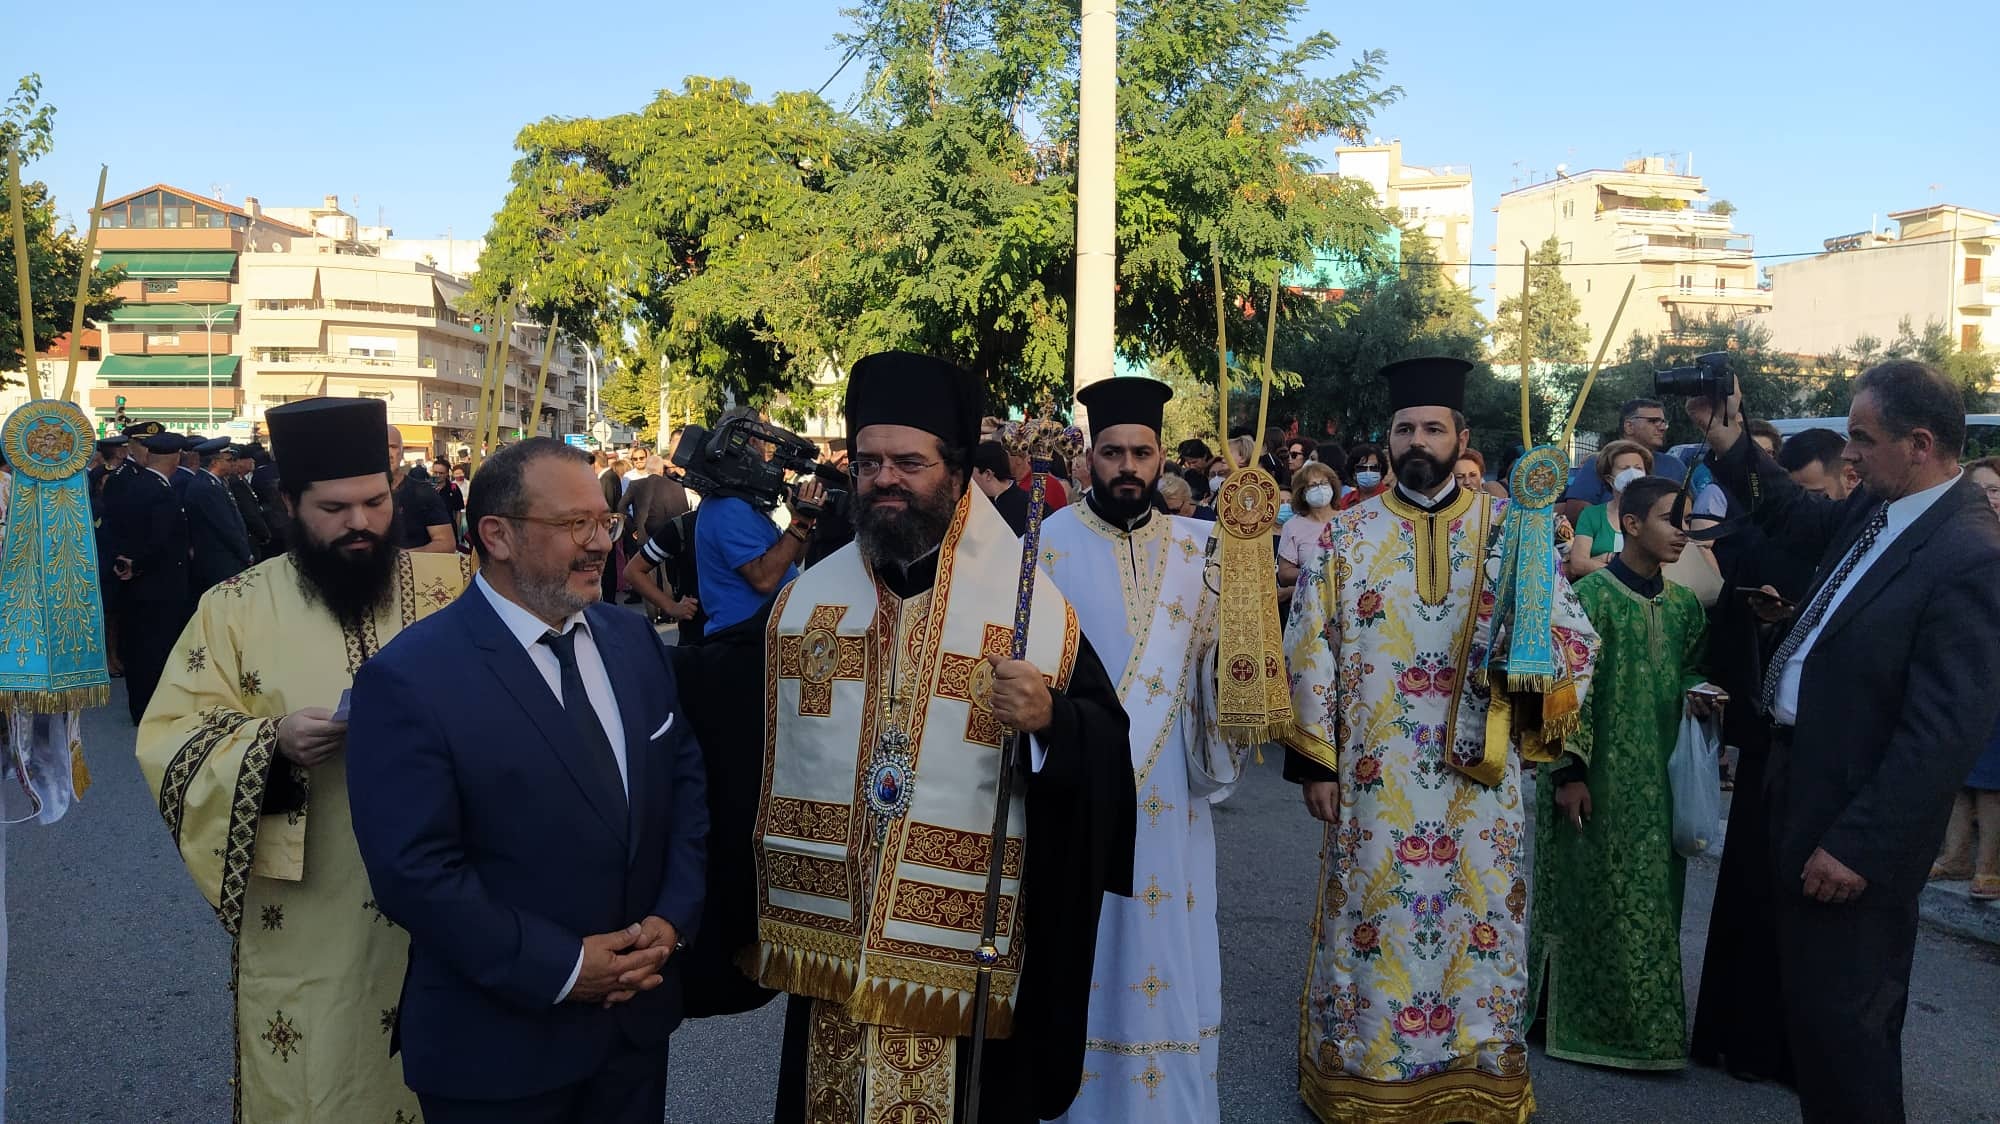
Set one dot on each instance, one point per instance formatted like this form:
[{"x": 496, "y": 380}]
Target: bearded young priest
[
  {"x": 242, "y": 748},
  {"x": 891, "y": 692},
  {"x": 1417, "y": 984},
  {"x": 1143, "y": 593}
]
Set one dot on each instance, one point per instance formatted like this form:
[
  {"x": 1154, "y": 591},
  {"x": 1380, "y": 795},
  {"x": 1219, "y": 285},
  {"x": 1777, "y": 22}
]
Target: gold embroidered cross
[
  {"x": 1156, "y": 685},
  {"x": 1151, "y": 1078},
  {"x": 1151, "y": 986},
  {"x": 1153, "y": 896},
  {"x": 1051, "y": 556},
  {"x": 1177, "y": 610},
  {"x": 1153, "y": 806},
  {"x": 969, "y": 679},
  {"x": 818, "y": 657}
]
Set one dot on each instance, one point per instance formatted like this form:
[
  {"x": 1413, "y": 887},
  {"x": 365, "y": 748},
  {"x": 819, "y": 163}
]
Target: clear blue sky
[{"x": 1809, "y": 117}]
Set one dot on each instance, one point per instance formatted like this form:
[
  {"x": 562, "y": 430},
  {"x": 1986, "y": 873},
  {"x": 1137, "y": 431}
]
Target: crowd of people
[{"x": 813, "y": 790}]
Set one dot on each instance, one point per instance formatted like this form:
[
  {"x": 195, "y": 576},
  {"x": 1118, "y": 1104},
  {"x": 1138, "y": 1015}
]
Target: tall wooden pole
[
  {"x": 542, "y": 379},
  {"x": 83, "y": 289},
  {"x": 1096, "y": 195},
  {"x": 1527, "y": 399},
  {"x": 22, "y": 273}
]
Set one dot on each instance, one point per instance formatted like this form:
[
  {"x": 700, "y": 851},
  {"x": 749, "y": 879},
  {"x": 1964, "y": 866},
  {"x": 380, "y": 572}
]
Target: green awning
[
  {"x": 210, "y": 265},
  {"x": 166, "y": 368},
  {"x": 173, "y": 313}
]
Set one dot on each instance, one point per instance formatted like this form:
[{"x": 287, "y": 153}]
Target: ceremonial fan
[
  {"x": 1534, "y": 692},
  {"x": 52, "y": 660}
]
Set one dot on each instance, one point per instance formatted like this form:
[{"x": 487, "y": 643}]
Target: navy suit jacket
[
  {"x": 216, "y": 532},
  {"x": 500, "y": 851}
]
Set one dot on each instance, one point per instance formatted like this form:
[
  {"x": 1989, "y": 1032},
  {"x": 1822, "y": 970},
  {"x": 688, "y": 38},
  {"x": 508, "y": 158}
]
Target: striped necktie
[{"x": 1810, "y": 619}]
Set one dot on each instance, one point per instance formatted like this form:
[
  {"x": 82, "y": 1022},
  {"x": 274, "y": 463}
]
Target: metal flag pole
[{"x": 1047, "y": 437}]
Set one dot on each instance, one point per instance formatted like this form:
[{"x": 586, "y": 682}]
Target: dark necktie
[
  {"x": 595, "y": 744},
  {"x": 1810, "y": 619}
]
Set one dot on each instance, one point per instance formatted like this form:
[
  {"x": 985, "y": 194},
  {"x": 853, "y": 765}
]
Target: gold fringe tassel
[
  {"x": 54, "y": 702},
  {"x": 926, "y": 1010},
  {"x": 797, "y": 971},
  {"x": 79, "y": 773}
]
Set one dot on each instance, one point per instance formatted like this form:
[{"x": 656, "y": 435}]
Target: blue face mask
[{"x": 1367, "y": 478}]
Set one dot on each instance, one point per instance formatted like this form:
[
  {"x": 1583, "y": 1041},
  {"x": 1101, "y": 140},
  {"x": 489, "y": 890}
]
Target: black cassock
[{"x": 1082, "y": 821}]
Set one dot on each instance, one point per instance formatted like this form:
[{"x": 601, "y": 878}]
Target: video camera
[
  {"x": 723, "y": 461},
  {"x": 1709, "y": 378}
]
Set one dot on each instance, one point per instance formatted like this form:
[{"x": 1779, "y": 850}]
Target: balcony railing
[
  {"x": 1979, "y": 294},
  {"x": 1686, "y": 216}
]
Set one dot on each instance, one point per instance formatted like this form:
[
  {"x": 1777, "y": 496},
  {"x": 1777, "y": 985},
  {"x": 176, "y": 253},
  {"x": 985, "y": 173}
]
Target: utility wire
[{"x": 1638, "y": 262}]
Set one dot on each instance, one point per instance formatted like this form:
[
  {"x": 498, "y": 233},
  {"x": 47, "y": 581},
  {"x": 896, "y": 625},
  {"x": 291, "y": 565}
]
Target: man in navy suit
[{"x": 540, "y": 829}]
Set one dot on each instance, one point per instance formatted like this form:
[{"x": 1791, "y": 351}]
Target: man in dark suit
[
  {"x": 149, "y": 559},
  {"x": 237, "y": 480},
  {"x": 1880, "y": 698},
  {"x": 541, "y": 829},
  {"x": 221, "y": 544},
  {"x": 993, "y": 473}
]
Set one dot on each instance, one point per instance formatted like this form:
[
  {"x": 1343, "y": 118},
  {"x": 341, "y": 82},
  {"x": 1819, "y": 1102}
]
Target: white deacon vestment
[{"x": 1155, "y": 1016}]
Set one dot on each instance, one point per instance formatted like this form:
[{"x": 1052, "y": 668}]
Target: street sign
[{"x": 580, "y": 440}]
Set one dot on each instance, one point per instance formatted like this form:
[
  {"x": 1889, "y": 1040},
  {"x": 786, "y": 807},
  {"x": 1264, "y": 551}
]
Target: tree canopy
[
  {"x": 761, "y": 241},
  {"x": 55, "y": 251},
  {"x": 1548, "y": 306}
]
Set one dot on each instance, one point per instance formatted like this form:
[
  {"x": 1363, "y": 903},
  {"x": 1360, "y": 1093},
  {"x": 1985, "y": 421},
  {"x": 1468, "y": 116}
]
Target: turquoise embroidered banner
[{"x": 51, "y": 612}]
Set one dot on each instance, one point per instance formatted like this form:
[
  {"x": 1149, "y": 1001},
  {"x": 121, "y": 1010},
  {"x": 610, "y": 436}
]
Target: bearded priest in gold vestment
[
  {"x": 1417, "y": 984},
  {"x": 242, "y": 745}
]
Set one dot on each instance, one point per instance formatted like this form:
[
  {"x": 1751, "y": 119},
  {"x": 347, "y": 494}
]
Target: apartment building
[
  {"x": 1647, "y": 221},
  {"x": 1434, "y": 200},
  {"x": 1937, "y": 264},
  {"x": 232, "y": 310}
]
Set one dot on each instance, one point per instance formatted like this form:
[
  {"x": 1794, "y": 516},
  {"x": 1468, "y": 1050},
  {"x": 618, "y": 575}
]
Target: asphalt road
[{"x": 117, "y": 1008}]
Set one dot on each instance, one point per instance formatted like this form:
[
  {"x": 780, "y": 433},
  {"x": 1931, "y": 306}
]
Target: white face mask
[
  {"x": 1214, "y": 484},
  {"x": 1367, "y": 479},
  {"x": 1319, "y": 495},
  {"x": 1624, "y": 479}
]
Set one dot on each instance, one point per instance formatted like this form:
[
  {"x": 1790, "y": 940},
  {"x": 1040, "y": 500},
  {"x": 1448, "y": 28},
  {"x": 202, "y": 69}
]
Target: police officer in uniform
[
  {"x": 220, "y": 542},
  {"x": 150, "y": 564},
  {"x": 238, "y": 481},
  {"x": 184, "y": 473},
  {"x": 107, "y": 497}
]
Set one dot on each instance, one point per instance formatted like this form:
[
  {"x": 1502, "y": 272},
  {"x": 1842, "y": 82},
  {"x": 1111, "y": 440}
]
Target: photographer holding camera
[{"x": 742, "y": 559}]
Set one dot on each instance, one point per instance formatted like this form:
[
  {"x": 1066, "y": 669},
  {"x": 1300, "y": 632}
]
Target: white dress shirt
[
  {"x": 528, "y": 630},
  {"x": 1902, "y": 513}
]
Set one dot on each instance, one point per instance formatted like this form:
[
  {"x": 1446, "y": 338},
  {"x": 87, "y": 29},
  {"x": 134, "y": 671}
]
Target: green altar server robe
[{"x": 1605, "y": 933}]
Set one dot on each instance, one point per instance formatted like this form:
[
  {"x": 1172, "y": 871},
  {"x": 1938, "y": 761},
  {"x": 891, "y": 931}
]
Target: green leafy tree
[
  {"x": 621, "y": 221},
  {"x": 1399, "y": 313},
  {"x": 55, "y": 252},
  {"x": 1550, "y": 310},
  {"x": 770, "y": 241}
]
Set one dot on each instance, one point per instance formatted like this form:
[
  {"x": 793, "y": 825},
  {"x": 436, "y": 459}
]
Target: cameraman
[{"x": 743, "y": 559}]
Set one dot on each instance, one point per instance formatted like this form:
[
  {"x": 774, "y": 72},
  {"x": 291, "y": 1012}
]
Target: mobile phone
[{"x": 1754, "y": 591}]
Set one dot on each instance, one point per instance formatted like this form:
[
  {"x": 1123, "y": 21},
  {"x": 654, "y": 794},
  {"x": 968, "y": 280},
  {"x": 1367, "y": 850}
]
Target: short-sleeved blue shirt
[{"x": 730, "y": 533}]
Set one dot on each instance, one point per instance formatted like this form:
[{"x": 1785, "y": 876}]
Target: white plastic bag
[{"x": 1697, "y": 785}]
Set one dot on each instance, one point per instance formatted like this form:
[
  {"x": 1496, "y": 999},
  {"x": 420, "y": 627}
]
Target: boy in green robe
[{"x": 1605, "y": 935}]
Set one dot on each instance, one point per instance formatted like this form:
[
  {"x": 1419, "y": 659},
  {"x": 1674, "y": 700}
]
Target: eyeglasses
[
  {"x": 582, "y": 528},
  {"x": 1295, "y": 455},
  {"x": 867, "y": 468},
  {"x": 1649, "y": 421}
]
